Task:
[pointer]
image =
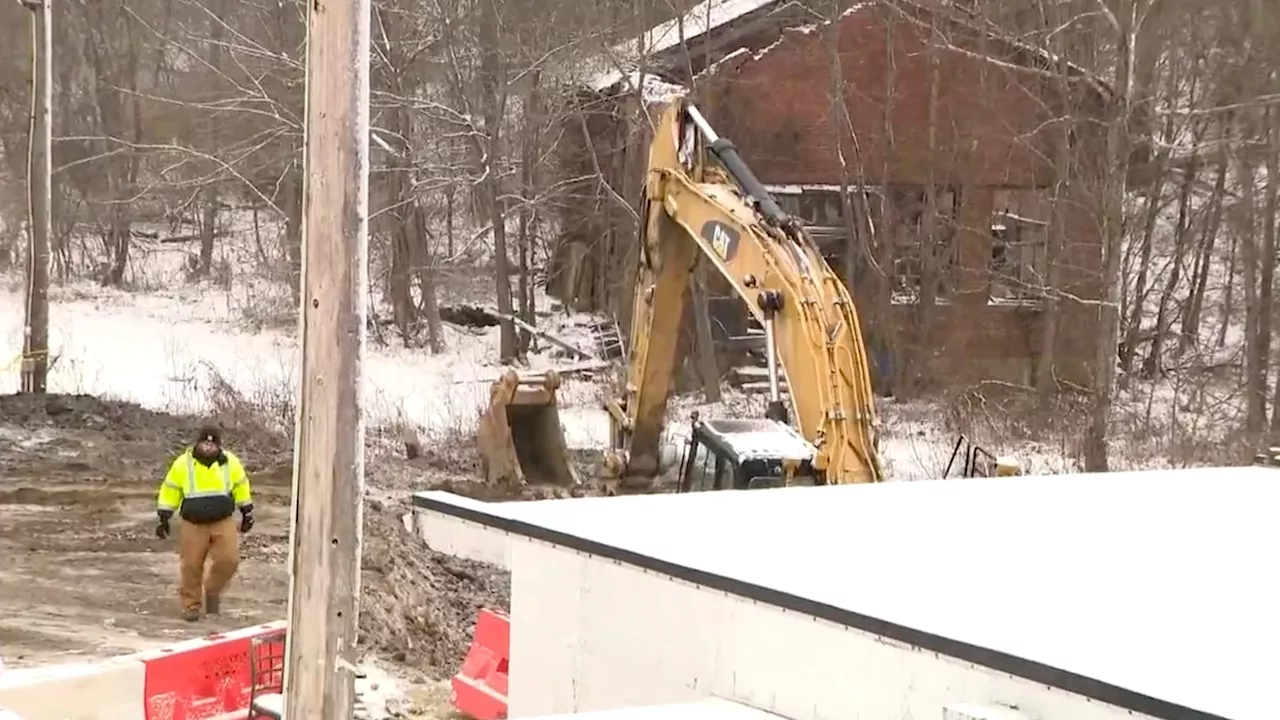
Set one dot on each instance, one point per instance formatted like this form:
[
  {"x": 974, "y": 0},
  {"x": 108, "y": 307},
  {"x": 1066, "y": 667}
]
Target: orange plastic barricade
[
  {"x": 202, "y": 678},
  {"x": 480, "y": 687}
]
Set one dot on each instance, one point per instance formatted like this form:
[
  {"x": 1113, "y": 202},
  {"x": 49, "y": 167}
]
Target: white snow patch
[
  {"x": 27, "y": 439},
  {"x": 701, "y": 19},
  {"x": 379, "y": 692},
  {"x": 168, "y": 352},
  {"x": 698, "y": 21},
  {"x": 167, "y": 347},
  {"x": 654, "y": 92}
]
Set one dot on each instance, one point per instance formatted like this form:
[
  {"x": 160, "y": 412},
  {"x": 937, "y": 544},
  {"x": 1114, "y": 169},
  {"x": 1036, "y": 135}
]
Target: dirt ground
[{"x": 82, "y": 575}]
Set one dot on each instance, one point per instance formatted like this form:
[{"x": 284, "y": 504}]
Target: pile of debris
[{"x": 418, "y": 606}]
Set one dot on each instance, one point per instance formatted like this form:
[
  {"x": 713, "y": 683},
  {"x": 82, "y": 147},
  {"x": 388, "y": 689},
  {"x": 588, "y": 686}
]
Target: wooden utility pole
[
  {"x": 35, "y": 332},
  {"x": 328, "y": 491}
]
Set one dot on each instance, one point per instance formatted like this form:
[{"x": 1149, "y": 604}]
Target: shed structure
[
  {"x": 961, "y": 236},
  {"x": 1082, "y": 597}
]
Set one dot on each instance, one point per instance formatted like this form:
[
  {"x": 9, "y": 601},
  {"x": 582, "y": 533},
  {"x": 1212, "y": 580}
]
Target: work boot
[
  {"x": 212, "y": 604},
  {"x": 191, "y": 615}
]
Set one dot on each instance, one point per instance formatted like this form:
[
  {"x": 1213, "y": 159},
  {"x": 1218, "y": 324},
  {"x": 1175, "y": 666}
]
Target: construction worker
[{"x": 204, "y": 486}]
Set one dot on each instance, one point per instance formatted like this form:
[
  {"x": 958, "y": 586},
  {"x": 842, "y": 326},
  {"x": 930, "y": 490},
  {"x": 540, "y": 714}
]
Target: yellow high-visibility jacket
[{"x": 204, "y": 493}]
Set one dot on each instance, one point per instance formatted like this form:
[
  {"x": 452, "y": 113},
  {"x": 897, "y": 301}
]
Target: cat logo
[{"x": 723, "y": 239}]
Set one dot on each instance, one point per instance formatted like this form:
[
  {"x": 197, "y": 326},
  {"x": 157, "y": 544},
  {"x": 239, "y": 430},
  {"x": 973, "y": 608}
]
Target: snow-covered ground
[
  {"x": 178, "y": 350},
  {"x": 181, "y": 347},
  {"x": 169, "y": 353}
]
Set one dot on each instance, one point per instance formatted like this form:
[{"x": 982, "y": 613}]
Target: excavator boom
[{"x": 702, "y": 203}]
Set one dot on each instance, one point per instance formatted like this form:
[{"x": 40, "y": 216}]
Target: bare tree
[{"x": 35, "y": 345}]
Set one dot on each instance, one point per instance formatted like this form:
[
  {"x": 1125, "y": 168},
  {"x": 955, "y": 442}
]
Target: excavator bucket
[{"x": 520, "y": 438}]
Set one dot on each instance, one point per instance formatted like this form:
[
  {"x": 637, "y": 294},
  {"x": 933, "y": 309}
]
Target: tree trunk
[
  {"x": 1228, "y": 295},
  {"x": 1141, "y": 291},
  {"x": 1191, "y": 319},
  {"x": 1114, "y": 175},
  {"x": 530, "y": 152},
  {"x": 119, "y": 234},
  {"x": 1253, "y": 257},
  {"x": 493, "y": 97},
  {"x": 403, "y": 310},
  {"x": 35, "y": 346},
  {"x": 1137, "y": 301},
  {"x": 1151, "y": 366},
  {"x": 404, "y": 207},
  {"x": 208, "y": 231},
  {"x": 449, "y": 200},
  {"x": 291, "y": 196},
  {"x": 425, "y": 262},
  {"x": 1266, "y": 285},
  {"x": 209, "y": 218},
  {"x": 1056, "y": 241},
  {"x": 852, "y": 213},
  {"x": 1272, "y": 241}
]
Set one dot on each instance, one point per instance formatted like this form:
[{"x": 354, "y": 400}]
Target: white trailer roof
[
  {"x": 710, "y": 709},
  {"x": 1156, "y": 591}
]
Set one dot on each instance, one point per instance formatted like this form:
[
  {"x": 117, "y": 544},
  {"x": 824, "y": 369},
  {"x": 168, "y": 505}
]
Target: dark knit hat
[{"x": 210, "y": 433}]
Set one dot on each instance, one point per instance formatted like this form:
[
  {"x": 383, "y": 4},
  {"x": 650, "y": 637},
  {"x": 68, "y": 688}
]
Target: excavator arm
[{"x": 696, "y": 209}]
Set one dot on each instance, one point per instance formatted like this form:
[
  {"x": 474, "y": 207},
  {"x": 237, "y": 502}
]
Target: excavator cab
[{"x": 746, "y": 454}]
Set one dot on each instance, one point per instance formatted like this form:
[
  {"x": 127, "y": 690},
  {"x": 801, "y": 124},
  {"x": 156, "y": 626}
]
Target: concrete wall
[
  {"x": 109, "y": 690},
  {"x": 589, "y": 634},
  {"x": 463, "y": 538},
  {"x": 207, "y": 677}
]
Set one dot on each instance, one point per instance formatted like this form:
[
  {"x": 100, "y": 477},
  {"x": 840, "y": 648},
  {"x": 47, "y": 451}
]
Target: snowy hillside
[{"x": 175, "y": 346}]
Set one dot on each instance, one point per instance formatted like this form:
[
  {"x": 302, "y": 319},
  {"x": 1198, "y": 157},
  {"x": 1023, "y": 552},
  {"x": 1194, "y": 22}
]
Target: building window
[
  {"x": 922, "y": 233},
  {"x": 817, "y": 206},
  {"x": 913, "y": 234},
  {"x": 1019, "y": 256}
]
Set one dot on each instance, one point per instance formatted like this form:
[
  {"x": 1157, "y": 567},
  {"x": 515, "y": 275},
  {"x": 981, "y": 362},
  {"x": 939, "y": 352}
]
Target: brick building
[{"x": 951, "y": 169}]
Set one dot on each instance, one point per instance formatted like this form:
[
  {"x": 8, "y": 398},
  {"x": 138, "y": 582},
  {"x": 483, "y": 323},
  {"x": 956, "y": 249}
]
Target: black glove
[
  {"x": 246, "y": 518},
  {"x": 162, "y": 529}
]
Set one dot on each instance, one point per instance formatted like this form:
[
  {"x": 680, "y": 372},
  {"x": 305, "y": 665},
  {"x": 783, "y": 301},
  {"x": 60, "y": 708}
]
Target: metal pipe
[
  {"x": 705, "y": 127},
  {"x": 737, "y": 168}
]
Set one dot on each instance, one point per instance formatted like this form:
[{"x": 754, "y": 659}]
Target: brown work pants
[{"x": 218, "y": 542}]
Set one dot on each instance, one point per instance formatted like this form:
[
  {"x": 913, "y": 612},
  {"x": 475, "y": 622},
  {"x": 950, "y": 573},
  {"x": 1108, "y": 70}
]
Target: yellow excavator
[{"x": 703, "y": 204}]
